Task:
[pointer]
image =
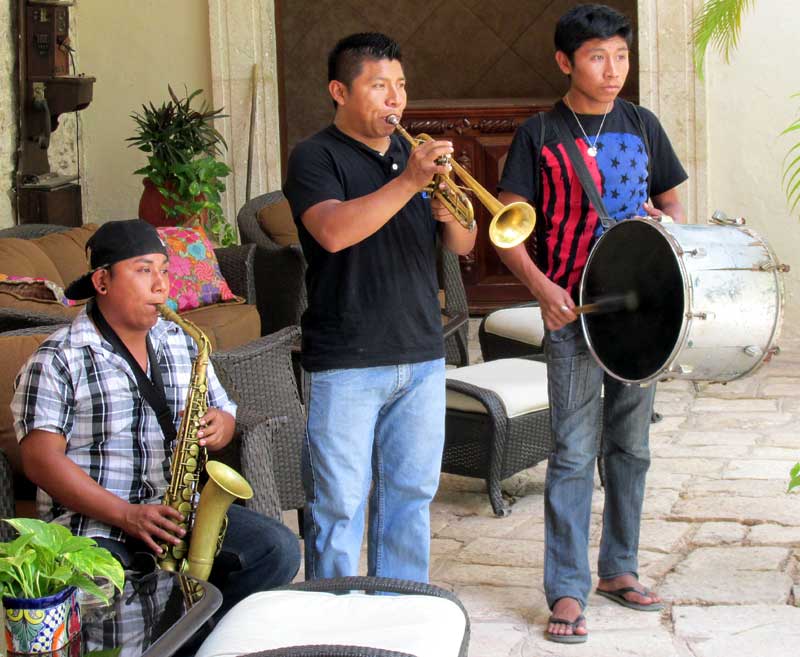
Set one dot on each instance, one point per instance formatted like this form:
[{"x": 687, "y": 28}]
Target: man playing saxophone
[{"x": 90, "y": 435}]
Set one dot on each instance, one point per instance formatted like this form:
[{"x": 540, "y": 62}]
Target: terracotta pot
[
  {"x": 40, "y": 625},
  {"x": 150, "y": 209}
]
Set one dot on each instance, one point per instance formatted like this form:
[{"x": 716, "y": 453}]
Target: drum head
[{"x": 634, "y": 256}]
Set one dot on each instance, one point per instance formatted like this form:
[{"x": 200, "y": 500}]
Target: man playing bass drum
[{"x": 631, "y": 161}]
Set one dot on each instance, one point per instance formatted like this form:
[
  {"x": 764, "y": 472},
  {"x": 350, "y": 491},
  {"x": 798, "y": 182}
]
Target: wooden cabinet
[{"x": 481, "y": 132}]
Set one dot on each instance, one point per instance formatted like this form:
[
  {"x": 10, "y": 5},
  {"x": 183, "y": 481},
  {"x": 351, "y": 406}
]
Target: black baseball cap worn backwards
[{"x": 113, "y": 242}]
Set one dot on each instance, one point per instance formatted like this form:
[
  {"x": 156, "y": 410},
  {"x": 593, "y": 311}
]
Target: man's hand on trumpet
[{"x": 427, "y": 160}]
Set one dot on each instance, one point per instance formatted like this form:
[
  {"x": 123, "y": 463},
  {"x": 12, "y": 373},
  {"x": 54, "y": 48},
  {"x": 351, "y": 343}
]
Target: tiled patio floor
[{"x": 720, "y": 537}]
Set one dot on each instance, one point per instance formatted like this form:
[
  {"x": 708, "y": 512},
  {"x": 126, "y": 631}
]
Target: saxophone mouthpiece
[{"x": 393, "y": 119}]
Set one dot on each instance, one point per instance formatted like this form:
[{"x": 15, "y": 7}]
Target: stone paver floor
[{"x": 720, "y": 537}]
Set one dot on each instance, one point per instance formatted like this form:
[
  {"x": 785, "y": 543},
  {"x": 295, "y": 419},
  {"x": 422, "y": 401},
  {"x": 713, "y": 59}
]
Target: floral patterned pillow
[
  {"x": 195, "y": 277},
  {"x": 39, "y": 289}
]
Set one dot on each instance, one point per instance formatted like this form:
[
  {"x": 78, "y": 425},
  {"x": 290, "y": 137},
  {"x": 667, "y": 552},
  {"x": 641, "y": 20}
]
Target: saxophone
[{"x": 205, "y": 520}]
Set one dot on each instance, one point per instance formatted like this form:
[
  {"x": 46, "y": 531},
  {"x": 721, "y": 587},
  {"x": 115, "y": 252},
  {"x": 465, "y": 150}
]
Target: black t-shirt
[
  {"x": 376, "y": 302},
  {"x": 567, "y": 225}
]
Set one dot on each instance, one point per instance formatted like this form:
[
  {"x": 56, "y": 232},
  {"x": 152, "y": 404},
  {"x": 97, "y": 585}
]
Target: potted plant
[
  {"x": 40, "y": 573},
  {"x": 182, "y": 178}
]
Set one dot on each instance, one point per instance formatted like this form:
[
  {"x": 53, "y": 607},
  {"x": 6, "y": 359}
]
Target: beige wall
[
  {"x": 8, "y": 116},
  {"x": 134, "y": 48},
  {"x": 748, "y": 105}
]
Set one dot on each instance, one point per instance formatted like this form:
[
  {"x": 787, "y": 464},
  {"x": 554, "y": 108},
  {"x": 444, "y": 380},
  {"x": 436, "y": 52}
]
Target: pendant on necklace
[{"x": 592, "y": 151}]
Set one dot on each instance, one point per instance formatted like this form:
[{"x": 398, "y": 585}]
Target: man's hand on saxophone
[
  {"x": 152, "y": 524},
  {"x": 216, "y": 429}
]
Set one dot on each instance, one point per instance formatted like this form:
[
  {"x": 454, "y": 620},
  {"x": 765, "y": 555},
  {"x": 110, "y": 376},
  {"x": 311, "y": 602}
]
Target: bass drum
[{"x": 709, "y": 301}]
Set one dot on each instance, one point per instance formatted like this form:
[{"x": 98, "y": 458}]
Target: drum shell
[{"x": 731, "y": 305}]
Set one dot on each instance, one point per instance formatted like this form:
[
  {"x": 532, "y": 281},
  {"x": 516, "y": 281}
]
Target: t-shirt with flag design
[{"x": 567, "y": 225}]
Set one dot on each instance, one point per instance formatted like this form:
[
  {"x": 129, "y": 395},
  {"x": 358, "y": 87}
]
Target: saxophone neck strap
[{"x": 151, "y": 389}]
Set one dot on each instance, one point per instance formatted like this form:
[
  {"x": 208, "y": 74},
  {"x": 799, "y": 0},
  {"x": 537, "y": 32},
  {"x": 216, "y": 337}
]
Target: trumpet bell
[{"x": 512, "y": 225}]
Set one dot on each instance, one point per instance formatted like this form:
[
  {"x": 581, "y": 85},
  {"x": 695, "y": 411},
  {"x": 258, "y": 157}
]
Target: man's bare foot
[
  {"x": 640, "y": 597},
  {"x": 568, "y": 609}
]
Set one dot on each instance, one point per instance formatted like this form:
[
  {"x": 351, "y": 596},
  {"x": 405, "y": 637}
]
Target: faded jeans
[
  {"x": 375, "y": 438},
  {"x": 575, "y": 382}
]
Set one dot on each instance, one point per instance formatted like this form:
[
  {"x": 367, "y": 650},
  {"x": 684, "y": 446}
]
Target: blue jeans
[
  {"x": 375, "y": 436},
  {"x": 575, "y": 382},
  {"x": 258, "y": 553}
]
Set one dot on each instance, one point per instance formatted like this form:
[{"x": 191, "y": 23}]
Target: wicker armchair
[
  {"x": 6, "y": 497},
  {"x": 259, "y": 377},
  {"x": 279, "y": 270}
]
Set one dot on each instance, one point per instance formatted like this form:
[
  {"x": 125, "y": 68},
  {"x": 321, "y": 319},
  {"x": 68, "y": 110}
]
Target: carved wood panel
[{"x": 481, "y": 132}]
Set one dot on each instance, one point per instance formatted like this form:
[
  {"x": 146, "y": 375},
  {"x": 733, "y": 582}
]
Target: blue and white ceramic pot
[{"x": 37, "y": 625}]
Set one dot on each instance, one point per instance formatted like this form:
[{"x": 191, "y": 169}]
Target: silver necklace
[{"x": 592, "y": 150}]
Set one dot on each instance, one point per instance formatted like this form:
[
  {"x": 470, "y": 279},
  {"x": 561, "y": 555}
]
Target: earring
[{"x": 103, "y": 288}]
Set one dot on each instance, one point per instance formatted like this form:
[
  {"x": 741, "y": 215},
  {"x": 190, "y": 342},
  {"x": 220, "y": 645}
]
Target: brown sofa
[{"x": 57, "y": 254}]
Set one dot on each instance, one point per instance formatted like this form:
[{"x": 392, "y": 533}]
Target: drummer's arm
[
  {"x": 667, "y": 203},
  {"x": 552, "y": 298}
]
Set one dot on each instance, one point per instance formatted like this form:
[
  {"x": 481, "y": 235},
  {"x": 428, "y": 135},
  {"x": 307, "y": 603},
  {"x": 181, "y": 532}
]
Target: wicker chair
[
  {"x": 260, "y": 378},
  {"x": 280, "y": 270},
  {"x": 236, "y": 631},
  {"x": 6, "y": 497}
]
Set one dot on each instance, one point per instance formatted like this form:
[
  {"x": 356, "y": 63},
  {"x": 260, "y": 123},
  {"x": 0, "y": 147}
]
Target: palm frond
[
  {"x": 790, "y": 181},
  {"x": 719, "y": 26}
]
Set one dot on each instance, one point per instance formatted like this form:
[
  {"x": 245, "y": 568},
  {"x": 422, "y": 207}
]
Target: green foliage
[
  {"x": 794, "y": 477},
  {"x": 181, "y": 145},
  {"x": 719, "y": 25},
  {"x": 791, "y": 167},
  {"x": 46, "y": 558}
]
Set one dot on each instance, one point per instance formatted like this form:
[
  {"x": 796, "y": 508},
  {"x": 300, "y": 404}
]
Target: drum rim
[{"x": 687, "y": 304}]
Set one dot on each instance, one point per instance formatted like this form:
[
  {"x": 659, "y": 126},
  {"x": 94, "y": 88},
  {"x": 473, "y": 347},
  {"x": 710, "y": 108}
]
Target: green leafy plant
[
  {"x": 46, "y": 558},
  {"x": 719, "y": 25},
  {"x": 794, "y": 477},
  {"x": 182, "y": 145},
  {"x": 791, "y": 169}
]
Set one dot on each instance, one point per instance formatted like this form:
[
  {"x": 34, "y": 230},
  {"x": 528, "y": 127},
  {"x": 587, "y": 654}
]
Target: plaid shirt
[{"x": 75, "y": 385}]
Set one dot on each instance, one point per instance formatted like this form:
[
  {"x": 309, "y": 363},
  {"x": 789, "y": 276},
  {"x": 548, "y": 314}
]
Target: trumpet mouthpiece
[{"x": 393, "y": 119}]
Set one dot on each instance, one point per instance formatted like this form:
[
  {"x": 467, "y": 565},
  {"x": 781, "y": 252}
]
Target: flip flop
[
  {"x": 618, "y": 596},
  {"x": 567, "y": 638}
]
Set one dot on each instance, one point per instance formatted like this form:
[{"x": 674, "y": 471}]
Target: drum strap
[{"x": 582, "y": 171}]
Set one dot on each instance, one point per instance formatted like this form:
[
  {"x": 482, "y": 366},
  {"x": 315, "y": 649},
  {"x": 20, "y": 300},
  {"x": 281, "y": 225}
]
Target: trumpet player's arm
[
  {"x": 337, "y": 224},
  {"x": 455, "y": 237},
  {"x": 552, "y": 298},
  {"x": 667, "y": 203},
  {"x": 46, "y": 464}
]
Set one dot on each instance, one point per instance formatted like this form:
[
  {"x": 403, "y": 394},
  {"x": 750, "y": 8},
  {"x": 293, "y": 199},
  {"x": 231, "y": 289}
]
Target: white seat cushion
[
  {"x": 520, "y": 324},
  {"x": 422, "y": 625},
  {"x": 520, "y": 383}
]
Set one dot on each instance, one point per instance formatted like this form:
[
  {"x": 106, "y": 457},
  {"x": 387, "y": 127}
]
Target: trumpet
[{"x": 511, "y": 224}]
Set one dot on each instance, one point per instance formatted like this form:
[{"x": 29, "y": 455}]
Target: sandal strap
[{"x": 563, "y": 621}]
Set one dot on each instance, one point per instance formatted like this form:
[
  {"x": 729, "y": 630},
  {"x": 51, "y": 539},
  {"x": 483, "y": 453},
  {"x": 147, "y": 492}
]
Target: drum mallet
[{"x": 612, "y": 303}]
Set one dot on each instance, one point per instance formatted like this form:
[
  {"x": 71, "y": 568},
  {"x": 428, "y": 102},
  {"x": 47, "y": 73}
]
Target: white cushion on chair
[
  {"x": 422, "y": 625},
  {"x": 520, "y": 324},
  {"x": 520, "y": 383}
]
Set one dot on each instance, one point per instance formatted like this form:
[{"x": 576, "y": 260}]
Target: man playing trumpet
[{"x": 372, "y": 337}]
